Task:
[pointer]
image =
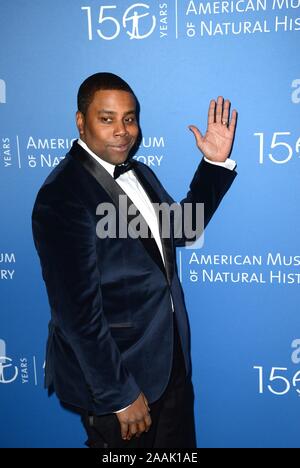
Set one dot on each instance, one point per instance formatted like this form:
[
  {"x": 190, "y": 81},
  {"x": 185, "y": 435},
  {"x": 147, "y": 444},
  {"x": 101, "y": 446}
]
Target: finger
[
  {"x": 232, "y": 124},
  {"x": 132, "y": 430},
  {"x": 124, "y": 430},
  {"x": 225, "y": 116},
  {"x": 140, "y": 428},
  {"x": 197, "y": 134},
  {"x": 219, "y": 109},
  {"x": 211, "y": 112}
]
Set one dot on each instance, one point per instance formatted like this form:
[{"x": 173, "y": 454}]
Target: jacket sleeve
[
  {"x": 207, "y": 189},
  {"x": 65, "y": 238},
  {"x": 189, "y": 217}
]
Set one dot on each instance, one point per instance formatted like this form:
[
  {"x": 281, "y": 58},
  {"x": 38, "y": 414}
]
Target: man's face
[{"x": 110, "y": 126}]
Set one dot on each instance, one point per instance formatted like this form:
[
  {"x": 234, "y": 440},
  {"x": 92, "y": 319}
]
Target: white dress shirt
[{"x": 132, "y": 187}]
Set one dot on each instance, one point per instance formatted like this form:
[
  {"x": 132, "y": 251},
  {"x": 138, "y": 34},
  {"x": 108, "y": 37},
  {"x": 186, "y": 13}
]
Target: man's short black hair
[{"x": 97, "y": 82}]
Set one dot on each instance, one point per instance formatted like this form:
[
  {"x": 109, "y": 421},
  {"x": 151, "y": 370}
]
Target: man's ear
[{"x": 80, "y": 122}]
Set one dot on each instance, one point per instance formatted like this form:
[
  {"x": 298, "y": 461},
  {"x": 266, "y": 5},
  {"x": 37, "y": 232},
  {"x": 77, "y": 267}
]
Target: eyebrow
[{"x": 105, "y": 111}]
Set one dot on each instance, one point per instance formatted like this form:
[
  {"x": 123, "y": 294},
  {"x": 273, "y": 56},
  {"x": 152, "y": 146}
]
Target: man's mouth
[{"x": 121, "y": 148}]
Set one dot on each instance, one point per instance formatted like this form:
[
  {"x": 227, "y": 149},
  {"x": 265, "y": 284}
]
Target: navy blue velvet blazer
[{"x": 111, "y": 328}]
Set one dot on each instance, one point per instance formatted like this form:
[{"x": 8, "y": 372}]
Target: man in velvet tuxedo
[{"x": 118, "y": 345}]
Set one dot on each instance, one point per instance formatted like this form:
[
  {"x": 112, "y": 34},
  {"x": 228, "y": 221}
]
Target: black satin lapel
[
  {"x": 114, "y": 190},
  {"x": 166, "y": 242}
]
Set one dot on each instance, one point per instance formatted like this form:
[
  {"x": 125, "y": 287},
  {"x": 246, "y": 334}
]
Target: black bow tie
[{"x": 121, "y": 168}]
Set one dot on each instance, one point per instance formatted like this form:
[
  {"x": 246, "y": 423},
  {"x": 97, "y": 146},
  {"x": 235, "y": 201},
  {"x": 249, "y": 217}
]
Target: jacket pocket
[{"x": 121, "y": 325}]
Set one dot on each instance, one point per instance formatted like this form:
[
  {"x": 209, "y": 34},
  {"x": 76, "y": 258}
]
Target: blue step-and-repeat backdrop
[{"x": 242, "y": 286}]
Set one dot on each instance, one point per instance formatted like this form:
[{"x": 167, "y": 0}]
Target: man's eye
[
  {"x": 130, "y": 119},
  {"x": 106, "y": 119}
]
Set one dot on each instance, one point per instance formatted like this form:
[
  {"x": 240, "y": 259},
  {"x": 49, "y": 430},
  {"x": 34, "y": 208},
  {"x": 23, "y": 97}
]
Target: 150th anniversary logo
[{"x": 188, "y": 19}]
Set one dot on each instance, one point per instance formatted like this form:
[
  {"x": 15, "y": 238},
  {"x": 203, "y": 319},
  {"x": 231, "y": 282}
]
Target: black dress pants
[{"x": 172, "y": 415}]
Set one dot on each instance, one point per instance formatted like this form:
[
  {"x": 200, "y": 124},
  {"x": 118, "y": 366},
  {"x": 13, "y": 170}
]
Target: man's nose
[{"x": 120, "y": 129}]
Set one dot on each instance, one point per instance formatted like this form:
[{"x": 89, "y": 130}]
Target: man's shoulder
[
  {"x": 62, "y": 179},
  {"x": 64, "y": 170}
]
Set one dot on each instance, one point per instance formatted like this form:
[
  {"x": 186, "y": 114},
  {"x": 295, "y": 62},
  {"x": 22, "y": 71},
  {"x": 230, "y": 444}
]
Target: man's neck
[{"x": 108, "y": 166}]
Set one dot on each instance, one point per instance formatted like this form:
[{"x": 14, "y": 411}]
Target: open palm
[{"x": 217, "y": 142}]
